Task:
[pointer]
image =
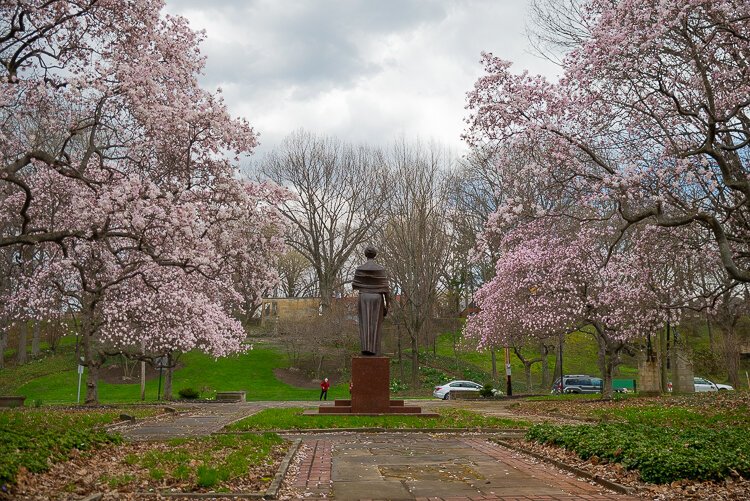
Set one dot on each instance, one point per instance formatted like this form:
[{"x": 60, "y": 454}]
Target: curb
[
  {"x": 203, "y": 495},
  {"x": 514, "y": 431},
  {"x": 273, "y": 489},
  {"x": 613, "y": 486}
]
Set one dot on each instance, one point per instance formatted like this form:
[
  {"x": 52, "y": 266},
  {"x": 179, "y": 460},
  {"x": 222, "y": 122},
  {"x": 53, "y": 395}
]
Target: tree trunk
[
  {"x": 3, "y": 343},
  {"x": 35, "y": 339},
  {"x": 400, "y": 356},
  {"x": 493, "y": 353},
  {"x": 609, "y": 358},
  {"x": 732, "y": 355},
  {"x": 414, "y": 361},
  {"x": 662, "y": 352},
  {"x": 326, "y": 291},
  {"x": 168, "y": 378},
  {"x": 23, "y": 330},
  {"x": 320, "y": 367},
  {"x": 527, "y": 373},
  {"x": 710, "y": 333},
  {"x": 527, "y": 363},
  {"x": 545, "y": 365},
  {"x": 93, "y": 362}
]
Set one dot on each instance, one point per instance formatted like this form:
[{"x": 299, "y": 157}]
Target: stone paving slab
[
  {"x": 197, "y": 420},
  {"x": 438, "y": 467}
]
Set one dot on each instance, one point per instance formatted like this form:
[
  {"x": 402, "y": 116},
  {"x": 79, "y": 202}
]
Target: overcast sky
[{"x": 362, "y": 70}]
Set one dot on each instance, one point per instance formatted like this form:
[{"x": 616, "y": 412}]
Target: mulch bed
[{"x": 96, "y": 471}]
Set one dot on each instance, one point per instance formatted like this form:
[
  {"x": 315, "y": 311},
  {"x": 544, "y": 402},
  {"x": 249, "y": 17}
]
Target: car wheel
[
  {"x": 447, "y": 396},
  {"x": 722, "y": 389}
]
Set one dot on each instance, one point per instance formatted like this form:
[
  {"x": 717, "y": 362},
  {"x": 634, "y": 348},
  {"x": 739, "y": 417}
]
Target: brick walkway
[
  {"x": 428, "y": 467},
  {"x": 314, "y": 474}
]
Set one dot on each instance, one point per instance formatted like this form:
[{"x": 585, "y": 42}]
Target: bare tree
[
  {"x": 415, "y": 242},
  {"x": 295, "y": 274},
  {"x": 556, "y": 27},
  {"x": 341, "y": 194},
  {"x": 476, "y": 192}
]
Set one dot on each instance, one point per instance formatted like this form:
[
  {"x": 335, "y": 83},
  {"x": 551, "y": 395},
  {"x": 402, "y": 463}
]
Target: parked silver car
[
  {"x": 444, "y": 390},
  {"x": 703, "y": 385},
  {"x": 578, "y": 383}
]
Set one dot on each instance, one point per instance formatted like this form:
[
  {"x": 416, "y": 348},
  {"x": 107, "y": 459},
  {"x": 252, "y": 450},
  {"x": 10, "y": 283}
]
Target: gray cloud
[{"x": 360, "y": 69}]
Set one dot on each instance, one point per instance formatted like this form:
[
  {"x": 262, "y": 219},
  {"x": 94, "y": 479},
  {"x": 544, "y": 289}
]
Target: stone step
[
  {"x": 393, "y": 403},
  {"x": 347, "y": 409}
]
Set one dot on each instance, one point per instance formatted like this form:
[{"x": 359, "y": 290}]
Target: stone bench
[
  {"x": 11, "y": 401},
  {"x": 230, "y": 396}
]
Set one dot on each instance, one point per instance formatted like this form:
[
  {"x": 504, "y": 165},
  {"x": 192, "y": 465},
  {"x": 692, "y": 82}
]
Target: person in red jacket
[{"x": 324, "y": 385}]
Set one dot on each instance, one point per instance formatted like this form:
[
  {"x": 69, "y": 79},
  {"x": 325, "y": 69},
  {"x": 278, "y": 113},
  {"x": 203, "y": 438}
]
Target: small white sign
[
  {"x": 507, "y": 370},
  {"x": 80, "y": 369}
]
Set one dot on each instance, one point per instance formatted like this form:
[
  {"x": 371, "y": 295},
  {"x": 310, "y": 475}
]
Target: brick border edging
[
  {"x": 271, "y": 492},
  {"x": 375, "y": 430},
  {"x": 614, "y": 486}
]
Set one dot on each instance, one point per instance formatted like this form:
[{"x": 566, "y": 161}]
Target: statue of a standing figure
[{"x": 374, "y": 298}]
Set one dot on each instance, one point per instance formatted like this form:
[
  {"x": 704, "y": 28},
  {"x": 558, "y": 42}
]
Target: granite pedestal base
[{"x": 371, "y": 378}]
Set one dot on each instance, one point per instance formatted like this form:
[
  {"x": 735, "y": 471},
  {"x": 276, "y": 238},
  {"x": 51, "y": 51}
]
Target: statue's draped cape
[
  {"x": 370, "y": 277},
  {"x": 371, "y": 281}
]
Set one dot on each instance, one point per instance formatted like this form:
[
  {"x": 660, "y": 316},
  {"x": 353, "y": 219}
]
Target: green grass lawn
[
  {"x": 55, "y": 379},
  {"x": 293, "y": 419}
]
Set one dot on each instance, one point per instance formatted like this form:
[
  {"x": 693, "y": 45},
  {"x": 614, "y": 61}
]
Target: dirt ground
[{"x": 298, "y": 378}]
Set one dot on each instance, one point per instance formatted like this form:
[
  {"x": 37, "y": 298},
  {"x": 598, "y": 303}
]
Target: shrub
[
  {"x": 189, "y": 393},
  {"x": 661, "y": 454},
  {"x": 486, "y": 391}
]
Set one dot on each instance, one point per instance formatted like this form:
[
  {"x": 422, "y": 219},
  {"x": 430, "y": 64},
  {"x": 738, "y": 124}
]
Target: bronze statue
[{"x": 374, "y": 298}]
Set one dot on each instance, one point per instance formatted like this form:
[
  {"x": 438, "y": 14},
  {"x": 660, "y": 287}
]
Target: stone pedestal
[
  {"x": 682, "y": 372},
  {"x": 371, "y": 378},
  {"x": 649, "y": 377},
  {"x": 371, "y": 391}
]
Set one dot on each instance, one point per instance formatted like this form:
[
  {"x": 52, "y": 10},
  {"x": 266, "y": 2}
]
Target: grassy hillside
[
  {"x": 54, "y": 379},
  {"x": 579, "y": 357}
]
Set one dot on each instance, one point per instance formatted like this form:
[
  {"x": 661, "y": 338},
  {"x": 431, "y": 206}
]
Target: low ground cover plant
[
  {"x": 210, "y": 462},
  {"x": 220, "y": 463},
  {"x": 35, "y": 438},
  {"x": 660, "y": 454},
  {"x": 293, "y": 419},
  {"x": 696, "y": 437}
]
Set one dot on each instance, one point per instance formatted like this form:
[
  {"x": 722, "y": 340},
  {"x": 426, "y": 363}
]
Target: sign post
[
  {"x": 80, "y": 373},
  {"x": 508, "y": 385},
  {"x": 160, "y": 361}
]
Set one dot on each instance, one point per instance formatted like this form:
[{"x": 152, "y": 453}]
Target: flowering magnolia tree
[
  {"x": 649, "y": 120},
  {"x": 119, "y": 168},
  {"x": 552, "y": 279}
]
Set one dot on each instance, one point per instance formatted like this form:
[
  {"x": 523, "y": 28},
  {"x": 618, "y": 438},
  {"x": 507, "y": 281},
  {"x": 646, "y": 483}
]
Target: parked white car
[
  {"x": 704, "y": 385},
  {"x": 444, "y": 390}
]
